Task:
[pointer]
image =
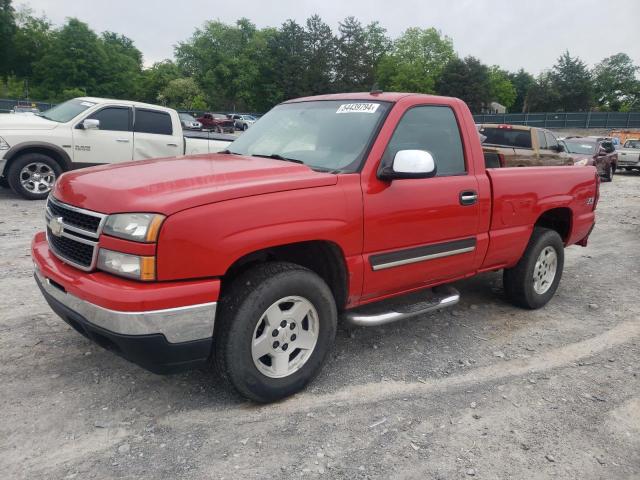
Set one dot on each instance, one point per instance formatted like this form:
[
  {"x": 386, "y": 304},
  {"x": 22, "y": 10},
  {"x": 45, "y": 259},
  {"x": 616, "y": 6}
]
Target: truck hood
[
  {"x": 26, "y": 122},
  {"x": 169, "y": 185}
]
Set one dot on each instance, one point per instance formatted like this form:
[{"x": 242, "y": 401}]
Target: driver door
[{"x": 420, "y": 231}]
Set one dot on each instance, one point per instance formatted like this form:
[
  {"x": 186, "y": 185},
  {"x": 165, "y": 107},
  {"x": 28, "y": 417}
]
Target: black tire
[
  {"x": 15, "y": 170},
  {"x": 608, "y": 174},
  {"x": 241, "y": 310},
  {"x": 245, "y": 127},
  {"x": 4, "y": 183},
  {"x": 519, "y": 280}
]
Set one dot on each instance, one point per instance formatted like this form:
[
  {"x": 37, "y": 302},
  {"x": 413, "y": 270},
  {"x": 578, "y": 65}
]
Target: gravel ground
[{"x": 482, "y": 391}]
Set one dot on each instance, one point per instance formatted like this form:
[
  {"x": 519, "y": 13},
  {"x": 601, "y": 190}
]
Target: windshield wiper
[{"x": 277, "y": 156}]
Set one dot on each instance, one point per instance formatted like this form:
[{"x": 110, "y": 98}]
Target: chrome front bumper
[{"x": 182, "y": 324}]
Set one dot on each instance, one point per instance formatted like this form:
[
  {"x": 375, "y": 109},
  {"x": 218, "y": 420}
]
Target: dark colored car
[
  {"x": 217, "y": 122},
  {"x": 591, "y": 151}
]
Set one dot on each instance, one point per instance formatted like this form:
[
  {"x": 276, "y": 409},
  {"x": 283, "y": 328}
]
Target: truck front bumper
[{"x": 162, "y": 340}]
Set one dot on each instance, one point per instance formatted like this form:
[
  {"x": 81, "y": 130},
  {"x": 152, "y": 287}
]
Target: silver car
[
  {"x": 629, "y": 155},
  {"x": 243, "y": 122}
]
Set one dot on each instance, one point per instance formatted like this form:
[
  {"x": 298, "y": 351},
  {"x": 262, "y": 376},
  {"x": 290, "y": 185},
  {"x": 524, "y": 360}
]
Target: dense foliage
[{"x": 240, "y": 67}]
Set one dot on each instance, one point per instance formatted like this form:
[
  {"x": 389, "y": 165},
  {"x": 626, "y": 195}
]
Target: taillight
[{"x": 502, "y": 160}]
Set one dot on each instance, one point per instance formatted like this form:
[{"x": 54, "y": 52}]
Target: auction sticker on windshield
[{"x": 358, "y": 108}]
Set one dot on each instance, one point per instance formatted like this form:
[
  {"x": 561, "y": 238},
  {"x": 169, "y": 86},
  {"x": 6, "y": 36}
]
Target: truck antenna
[{"x": 375, "y": 90}]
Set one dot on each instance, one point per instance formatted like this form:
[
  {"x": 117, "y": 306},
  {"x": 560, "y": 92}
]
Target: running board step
[{"x": 407, "y": 306}]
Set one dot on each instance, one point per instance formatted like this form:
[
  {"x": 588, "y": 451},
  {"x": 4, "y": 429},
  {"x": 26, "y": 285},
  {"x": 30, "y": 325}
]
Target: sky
[{"x": 529, "y": 34}]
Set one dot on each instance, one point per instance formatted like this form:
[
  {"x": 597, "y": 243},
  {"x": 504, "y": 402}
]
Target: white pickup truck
[{"x": 36, "y": 150}]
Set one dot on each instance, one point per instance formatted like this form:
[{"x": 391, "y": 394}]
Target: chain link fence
[{"x": 565, "y": 120}]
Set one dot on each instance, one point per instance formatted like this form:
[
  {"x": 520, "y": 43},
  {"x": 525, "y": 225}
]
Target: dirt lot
[{"x": 483, "y": 391}]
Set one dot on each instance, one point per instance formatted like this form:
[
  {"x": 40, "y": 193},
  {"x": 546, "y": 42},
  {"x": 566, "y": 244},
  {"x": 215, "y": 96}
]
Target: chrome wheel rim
[
  {"x": 285, "y": 337},
  {"x": 37, "y": 177},
  {"x": 545, "y": 269}
]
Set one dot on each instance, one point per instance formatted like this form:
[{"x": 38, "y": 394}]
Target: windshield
[
  {"x": 584, "y": 148},
  {"x": 67, "y": 110},
  {"x": 325, "y": 135},
  {"x": 632, "y": 144},
  {"x": 506, "y": 137}
]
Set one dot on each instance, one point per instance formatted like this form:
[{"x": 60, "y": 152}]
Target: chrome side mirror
[
  {"x": 409, "y": 164},
  {"x": 90, "y": 124}
]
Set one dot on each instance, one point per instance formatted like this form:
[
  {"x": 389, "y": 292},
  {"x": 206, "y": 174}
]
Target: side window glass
[
  {"x": 542, "y": 140},
  {"x": 113, "y": 119},
  {"x": 153, "y": 121},
  {"x": 434, "y": 129},
  {"x": 551, "y": 140}
]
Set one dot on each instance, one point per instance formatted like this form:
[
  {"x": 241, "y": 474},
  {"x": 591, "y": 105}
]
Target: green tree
[
  {"x": 123, "y": 66},
  {"x": 155, "y": 79},
  {"x": 416, "y": 61},
  {"x": 522, "y": 82},
  {"x": 543, "y": 95},
  {"x": 182, "y": 93},
  {"x": 215, "y": 56},
  {"x": 467, "y": 79},
  {"x": 615, "y": 82},
  {"x": 7, "y": 33},
  {"x": 572, "y": 80},
  {"x": 319, "y": 51},
  {"x": 75, "y": 59},
  {"x": 502, "y": 90},
  {"x": 352, "y": 70},
  {"x": 287, "y": 50}
]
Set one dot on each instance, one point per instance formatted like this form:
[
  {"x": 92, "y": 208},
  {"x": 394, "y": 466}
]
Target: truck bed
[{"x": 521, "y": 195}]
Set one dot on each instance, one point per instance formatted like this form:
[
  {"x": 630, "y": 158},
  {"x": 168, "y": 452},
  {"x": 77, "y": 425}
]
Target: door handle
[
  {"x": 122, "y": 140},
  {"x": 468, "y": 197},
  {"x": 172, "y": 144}
]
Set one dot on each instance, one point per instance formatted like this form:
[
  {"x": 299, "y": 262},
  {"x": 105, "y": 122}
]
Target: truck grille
[
  {"x": 74, "y": 217},
  {"x": 79, "y": 254},
  {"x": 73, "y": 233}
]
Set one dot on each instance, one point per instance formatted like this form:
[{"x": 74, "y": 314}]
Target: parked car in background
[
  {"x": 520, "y": 146},
  {"x": 243, "y": 122},
  {"x": 629, "y": 155},
  {"x": 36, "y": 149},
  {"x": 333, "y": 206},
  {"x": 217, "y": 122},
  {"x": 25, "y": 110},
  {"x": 591, "y": 151},
  {"x": 188, "y": 122}
]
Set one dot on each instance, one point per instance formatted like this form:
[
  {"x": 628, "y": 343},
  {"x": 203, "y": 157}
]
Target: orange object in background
[{"x": 624, "y": 135}]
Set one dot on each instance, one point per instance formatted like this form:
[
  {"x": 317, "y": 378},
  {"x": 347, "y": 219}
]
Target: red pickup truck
[{"x": 361, "y": 207}]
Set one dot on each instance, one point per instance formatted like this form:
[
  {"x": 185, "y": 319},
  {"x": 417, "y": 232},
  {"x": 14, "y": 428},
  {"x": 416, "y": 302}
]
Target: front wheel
[
  {"x": 277, "y": 323},
  {"x": 33, "y": 175},
  {"x": 535, "y": 278}
]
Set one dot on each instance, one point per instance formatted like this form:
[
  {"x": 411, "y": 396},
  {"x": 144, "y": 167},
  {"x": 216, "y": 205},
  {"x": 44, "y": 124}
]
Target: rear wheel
[
  {"x": 277, "y": 323},
  {"x": 245, "y": 127},
  {"x": 33, "y": 175},
  {"x": 534, "y": 280}
]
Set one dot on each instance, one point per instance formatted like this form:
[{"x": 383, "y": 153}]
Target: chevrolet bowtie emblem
[{"x": 56, "y": 226}]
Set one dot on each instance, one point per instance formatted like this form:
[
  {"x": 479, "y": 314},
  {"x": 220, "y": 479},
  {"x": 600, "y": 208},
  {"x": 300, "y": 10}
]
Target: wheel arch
[
  {"x": 323, "y": 257},
  {"x": 61, "y": 157},
  {"x": 559, "y": 219}
]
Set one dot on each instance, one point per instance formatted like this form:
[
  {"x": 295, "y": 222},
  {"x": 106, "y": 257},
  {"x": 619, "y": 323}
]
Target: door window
[
  {"x": 153, "y": 121},
  {"x": 117, "y": 119},
  {"x": 542, "y": 140},
  {"x": 552, "y": 142},
  {"x": 434, "y": 129}
]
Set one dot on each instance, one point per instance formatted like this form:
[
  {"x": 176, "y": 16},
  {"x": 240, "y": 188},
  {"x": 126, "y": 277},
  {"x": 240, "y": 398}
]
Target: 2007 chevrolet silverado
[{"x": 363, "y": 206}]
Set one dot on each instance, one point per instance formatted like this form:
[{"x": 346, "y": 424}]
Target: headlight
[
  {"x": 139, "y": 227},
  {"x": 126, "y": 265},
  {"x": 3, "y": 144},
  {"x": 581, "y": 163}
]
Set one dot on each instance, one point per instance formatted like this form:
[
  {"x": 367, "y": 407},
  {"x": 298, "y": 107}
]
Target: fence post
[
  {"x": 628, "y": 119},
  {"x": 588, "y": 123},
  {"x": 606, "y": 121}
]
